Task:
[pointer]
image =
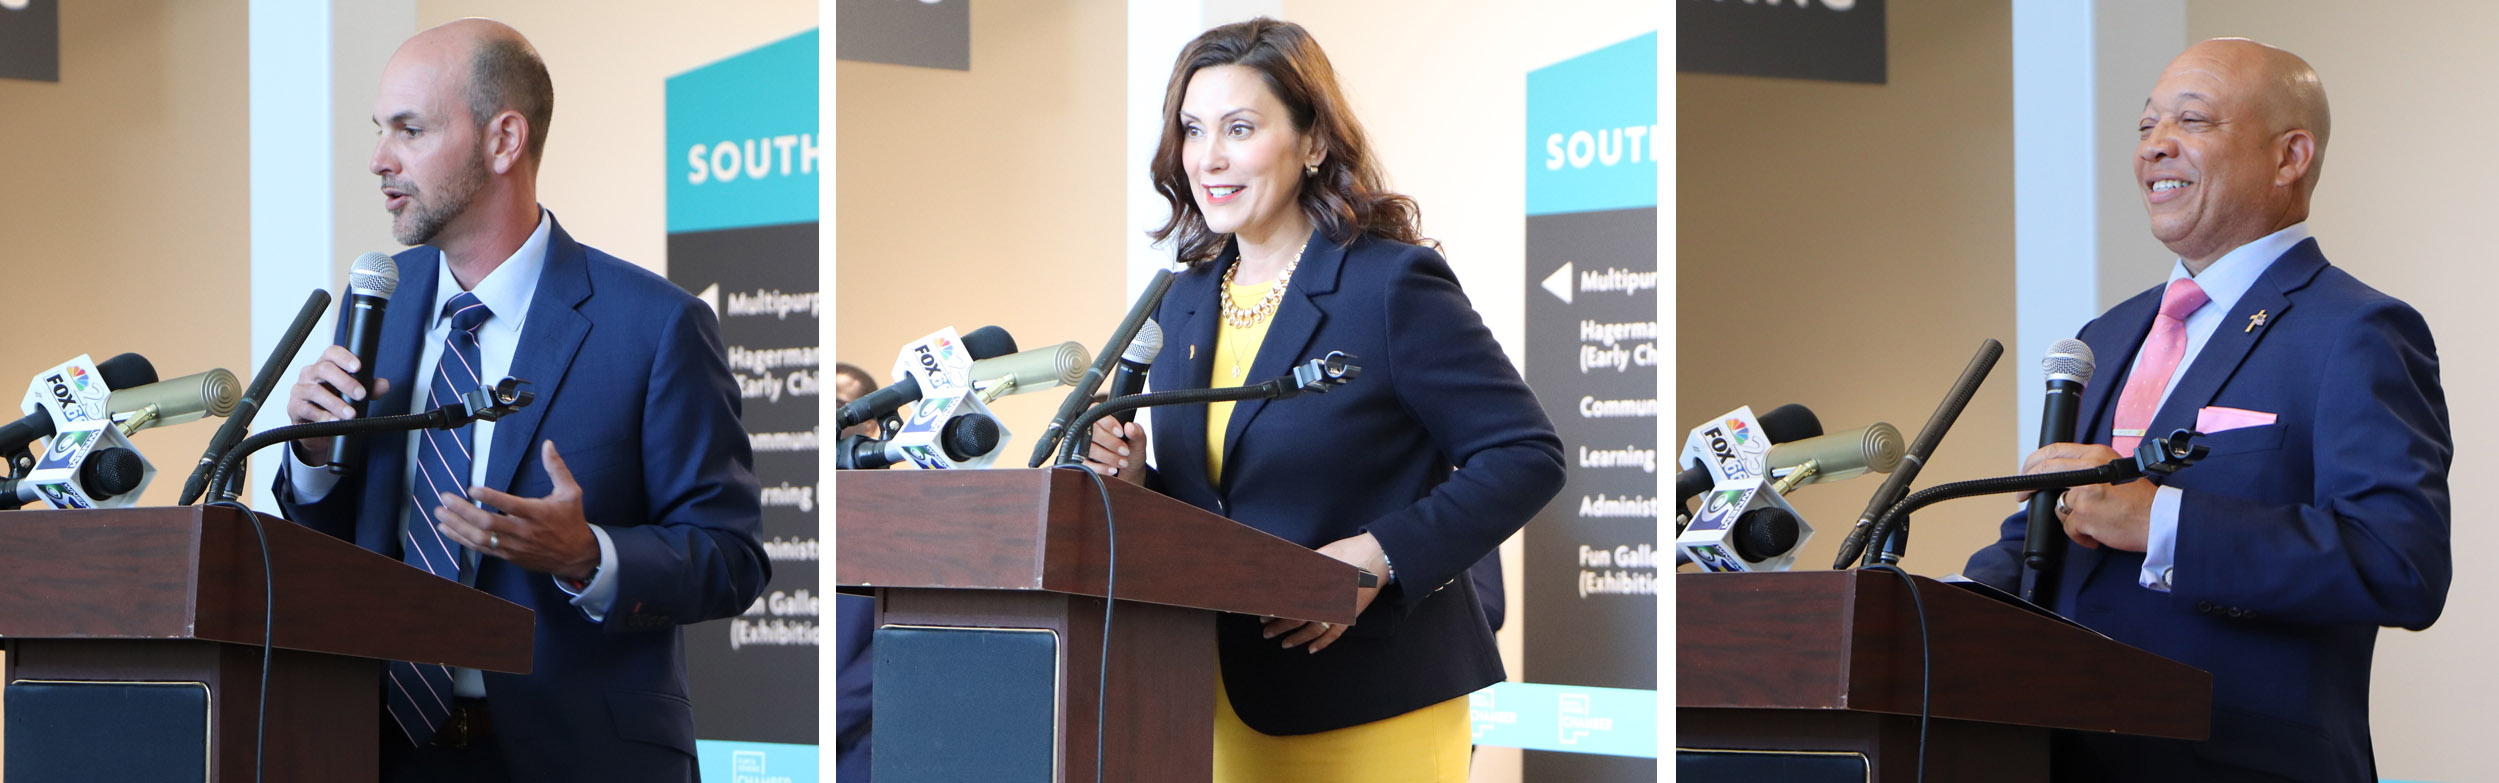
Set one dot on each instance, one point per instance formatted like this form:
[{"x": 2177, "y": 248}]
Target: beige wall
[
  {"x": 123, "y": 209},
  {"x": 988, "y": 196},
  {"x": 611, "y": 62},
  {"x": 1847, "y": 247},
  {"x": 2403, "y": 206}
]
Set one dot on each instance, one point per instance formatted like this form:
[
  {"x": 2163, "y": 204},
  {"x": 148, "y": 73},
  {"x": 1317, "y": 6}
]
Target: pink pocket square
[{"x": 2219, "y": 419}]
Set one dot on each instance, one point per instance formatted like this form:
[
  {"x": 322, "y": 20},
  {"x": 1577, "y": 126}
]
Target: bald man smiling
[{"x": 2321, "y": 513}]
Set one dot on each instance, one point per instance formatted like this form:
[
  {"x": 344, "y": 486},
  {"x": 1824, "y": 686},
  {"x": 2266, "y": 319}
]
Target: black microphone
[
  {"x": 2069, "y": 366},
  {"x": 1790, "y": 422},
  {"x": 982, "y": 343},
  {"x": 1081, "y": 392},
  {"x": 1928, "y": 437},
  {"x": 1133, "y": 364},
  {"x": 106, "y": 473},
  {"x": 963, "y": 438},
  {"x": 370, "y": 284},
  {"x": 120, "y": 372},
  {"x": 240, "y": 421}
]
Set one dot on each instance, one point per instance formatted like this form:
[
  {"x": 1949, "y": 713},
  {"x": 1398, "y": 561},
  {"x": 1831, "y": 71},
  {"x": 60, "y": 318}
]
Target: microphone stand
[
  {"x": 485, "y": 404},
  {"x": 1316, "y": 375},
  {"x": 2153, "y": 457}
]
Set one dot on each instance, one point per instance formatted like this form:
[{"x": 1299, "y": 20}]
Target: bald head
[
  {"x": 496, "y": 70},
  {"x": 2278, "y": 87},
  {"x": 2233, "y": 137}
]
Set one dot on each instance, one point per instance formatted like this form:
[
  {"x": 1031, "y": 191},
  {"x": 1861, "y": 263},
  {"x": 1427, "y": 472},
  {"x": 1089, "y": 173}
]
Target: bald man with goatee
[
  {"x": 620, "y": 506},
  {"x": 2321, "y": 512}
]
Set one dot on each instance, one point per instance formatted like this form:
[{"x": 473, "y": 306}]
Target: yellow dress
[{"x": 1429, "y": 745}]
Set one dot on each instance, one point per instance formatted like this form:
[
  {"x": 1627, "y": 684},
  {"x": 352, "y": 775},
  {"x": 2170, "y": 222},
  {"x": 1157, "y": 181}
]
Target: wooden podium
[
  {"x": 1031, "y": 549},
  {"x": 174, "y": 595},
  {"x": 1830, "y": 661}
]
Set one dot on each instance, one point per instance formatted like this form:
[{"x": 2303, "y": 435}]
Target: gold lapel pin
[{"x": 2256, "y": 320}]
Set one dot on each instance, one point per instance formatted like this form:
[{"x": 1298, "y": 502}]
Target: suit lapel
[
  {"x": 1193, "y": 322},
  {"x": 386, "y": 453},
  {"x": 553, "y": 334},
  {"x": 1297, "y": 320},
  {"x": 2237, "y": 335}
]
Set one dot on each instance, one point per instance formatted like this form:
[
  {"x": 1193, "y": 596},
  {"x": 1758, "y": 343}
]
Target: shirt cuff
[
  {"x": 595, "y": 598},
  {"x": 2160, "y": 551},
  {"x": 311, "y": 483}
]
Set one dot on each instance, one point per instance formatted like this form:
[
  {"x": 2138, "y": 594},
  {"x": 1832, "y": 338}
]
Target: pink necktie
[{"x": 2161, "y": 353}]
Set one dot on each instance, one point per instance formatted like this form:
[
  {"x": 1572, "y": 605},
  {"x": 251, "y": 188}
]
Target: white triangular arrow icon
[
  {"x": 711, "y": 297},
  {"x": 1560, "y": 283}
]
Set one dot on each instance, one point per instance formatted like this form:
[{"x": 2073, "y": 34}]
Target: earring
[{"x": 1311, "y": 170}]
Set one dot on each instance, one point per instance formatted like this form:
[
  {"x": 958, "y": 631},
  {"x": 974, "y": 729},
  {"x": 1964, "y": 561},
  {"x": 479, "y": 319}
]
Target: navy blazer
[
  {"x": 1438, "y": 450},
  {"x": 635, "y": 390},
  {"x": 2296, "y": 540}
]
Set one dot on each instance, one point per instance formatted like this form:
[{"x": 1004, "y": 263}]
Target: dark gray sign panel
[
  {"x": 30, "y": 40},
  {"x": 1828, "y": 40},
  {"x": 924, "y": 33}
]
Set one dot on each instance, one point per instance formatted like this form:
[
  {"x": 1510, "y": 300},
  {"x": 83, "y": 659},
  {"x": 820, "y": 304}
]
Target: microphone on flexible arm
[
  {"x": 1928, "y": 437},
  {"x": 69, "y": 396},
  {"x": 941, "y": 358},
  {"x": 240, "y": 420},
  {"x": 370, "y": 284},
  {"x": 178, "y": 401},
  {"x": 1133, "y": 364},
  {"x": 2069, "y": 367},
  {"x": 1081, "y": 392}
]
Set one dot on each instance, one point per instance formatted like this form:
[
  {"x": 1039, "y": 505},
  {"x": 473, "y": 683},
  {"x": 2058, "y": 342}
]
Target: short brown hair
[{"x": 506, "y": 73}]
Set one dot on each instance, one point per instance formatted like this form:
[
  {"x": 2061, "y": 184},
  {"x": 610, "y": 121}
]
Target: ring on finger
[{"x": 494, "y": 541}]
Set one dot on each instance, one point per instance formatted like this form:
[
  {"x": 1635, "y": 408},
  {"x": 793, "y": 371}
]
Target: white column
[
  {"x": 2081, "y": 71},
  {"x": 315, "y": 65}
]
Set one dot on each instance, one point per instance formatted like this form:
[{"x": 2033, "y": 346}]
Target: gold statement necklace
[{"x": 1239, "y": 317}]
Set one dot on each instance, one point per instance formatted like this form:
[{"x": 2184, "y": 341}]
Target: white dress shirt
[
  {"x": 506, "y": 292},
  {"x": 2224, "y": 282}
]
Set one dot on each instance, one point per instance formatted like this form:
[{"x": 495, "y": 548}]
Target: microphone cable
[
  {"x": 1926, "y": 655},
  {"x": 268, "y": 633}
]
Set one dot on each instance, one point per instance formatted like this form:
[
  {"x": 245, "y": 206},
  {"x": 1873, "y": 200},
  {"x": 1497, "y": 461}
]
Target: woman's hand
[
  {"x": 1363, "y": 552},
  {"x": 1118, "y": 450}
]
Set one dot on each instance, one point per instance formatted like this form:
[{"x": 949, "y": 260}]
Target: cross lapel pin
[{"x": 2256, "y": 320}]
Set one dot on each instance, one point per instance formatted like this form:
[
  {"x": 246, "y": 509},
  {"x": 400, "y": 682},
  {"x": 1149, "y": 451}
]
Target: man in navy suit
[
  {"x": 2321, "y": 512},
  {"x": 645, "y": 520}
]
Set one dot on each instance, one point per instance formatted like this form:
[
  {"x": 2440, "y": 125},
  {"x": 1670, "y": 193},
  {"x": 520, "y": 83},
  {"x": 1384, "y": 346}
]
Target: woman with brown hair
[{"x": 1414, "y": 471}]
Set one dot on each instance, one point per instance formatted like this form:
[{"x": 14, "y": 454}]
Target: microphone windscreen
[
  {"x": 2068, "y": 360},
  {"x": 988, "y": 342},
  {"x": 1843, "y": 455},
  {"x": 374, "y": 274},
  {"x": 126, "y": 370},
  {"x": 1789, "y": 422},
  {"x": 969, "y": 436},
  {"x": 1149, "y": 344},
  {"x": 111, "y": 471},
  {"x": 1764, "y": 533}
]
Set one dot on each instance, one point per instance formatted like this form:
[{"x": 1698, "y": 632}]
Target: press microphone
[
  {"x": 1743, "y": 525},
  {"x": 370, "y": 284},
  {"x": 1030, "y": 371},
  {"x": 178, "y": 401},
  {"x": 1133, "y": 364},
  {"x": 107, "y": 473},
  {"x": 2069, "y": 366},
  {"x": 1928, "y": 437},
  {"x": 960, "y": 441},
  {"x": 1782, "y": 424},
  {"x": 66, "y": 394},
  {"x": 1839, "y": 456},
  {"x": 240, "y": 420},
  {"x": 948, "y": 356}
]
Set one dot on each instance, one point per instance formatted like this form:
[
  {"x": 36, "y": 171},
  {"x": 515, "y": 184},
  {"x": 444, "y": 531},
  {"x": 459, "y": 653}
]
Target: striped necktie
[{"x": 419, "y": 696}]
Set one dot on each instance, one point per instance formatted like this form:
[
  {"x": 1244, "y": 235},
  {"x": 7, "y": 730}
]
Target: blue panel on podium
[
  {"x": 106, "y": 731},
  {"x": 956, "y": 704}
]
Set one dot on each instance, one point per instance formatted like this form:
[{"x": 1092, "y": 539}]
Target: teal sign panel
[
  {"x": 1566, "y": 718},
  {"x": 1592, "y": 131},
  {"x": 742, "y": 140}
]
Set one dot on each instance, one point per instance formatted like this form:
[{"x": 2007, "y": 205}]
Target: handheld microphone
[
  {"x": 1732, "y": 433},
  {"x": 178, "y": 401},
  {"x": 948, "y": 356},
  {"x": 107, "y": 473},
  {"x": 241, "y": 419},
  {"x": 1081, "y": 392},
  {"x": 1928, "y": 437},
  {"x": 1839, "y": 456},
  {"x": 75, "y": 391},
  {"x": 1133, "y": 364},
  {"x": 370, "y": 284},
  {"x": 2069, "y": 366},
  {"x": 1030, "y": 371}
]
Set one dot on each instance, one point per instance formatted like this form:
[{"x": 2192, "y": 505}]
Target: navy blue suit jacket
[
  {"x": 634, "y": 389},
  {"x": 1438, "y": 450},
  {"x": 2296, "y": 540}
]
